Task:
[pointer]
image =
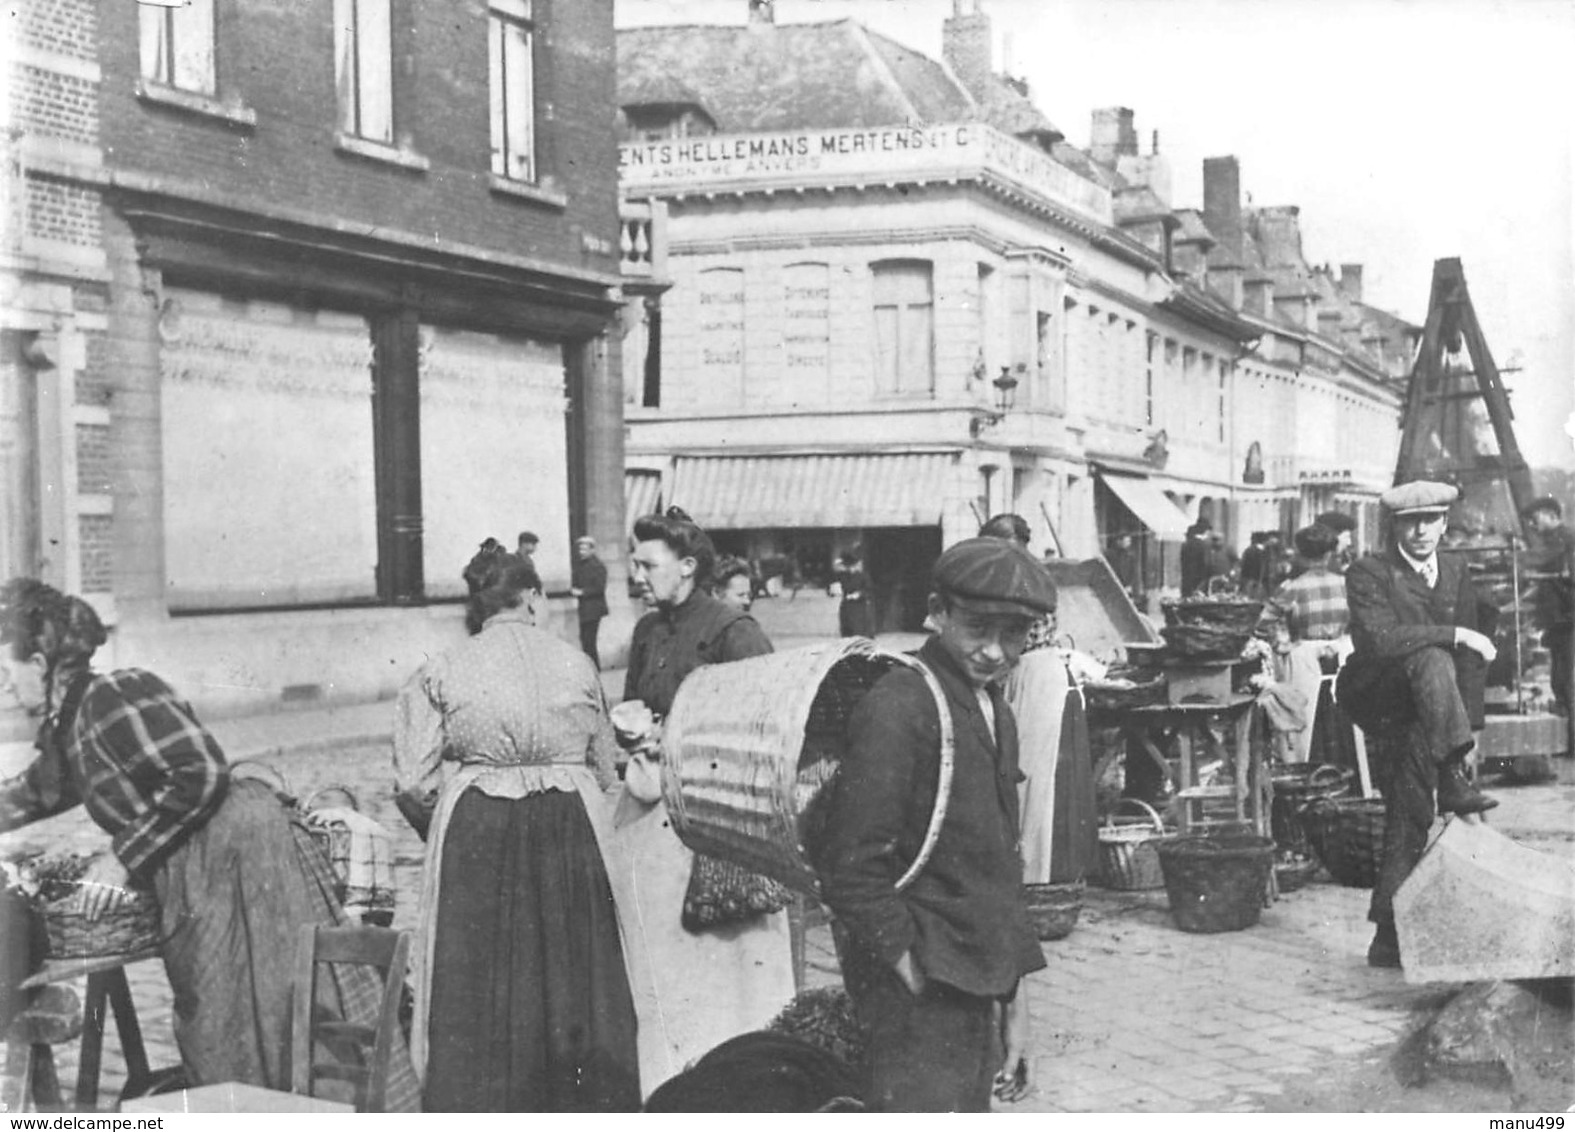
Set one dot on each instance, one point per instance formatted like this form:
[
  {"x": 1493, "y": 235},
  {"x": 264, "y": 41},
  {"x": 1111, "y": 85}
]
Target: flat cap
[
  {"x": 1419, "y": 496},
  {"x": 1543, "y": 503},
  {"x": 996, "y": 576}
]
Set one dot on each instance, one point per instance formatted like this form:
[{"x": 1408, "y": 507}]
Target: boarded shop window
[
  {"x": 269, "y": 492},
  {"x": 364, "y": 68},
  {"x": 176, "y": 45},
  {"x": 510, "y": 37},
  {"x": 904, "y": 328},
  {"x": 493, "y": 452}
]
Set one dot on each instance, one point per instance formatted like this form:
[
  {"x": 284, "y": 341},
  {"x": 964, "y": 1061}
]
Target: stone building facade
[
  {"x": 299, "y": 304},
  {"x": 900, "y": 301}
]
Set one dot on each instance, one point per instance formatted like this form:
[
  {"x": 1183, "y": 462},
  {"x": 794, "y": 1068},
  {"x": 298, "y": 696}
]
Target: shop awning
[
  {"x": 1151, "y": 505},
  {"x": 642, "y": 491},
  {"x": 898, "y": 489}
]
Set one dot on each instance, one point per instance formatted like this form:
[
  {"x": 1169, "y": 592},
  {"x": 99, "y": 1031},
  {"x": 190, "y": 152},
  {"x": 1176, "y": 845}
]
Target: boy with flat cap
[
  {"x": 934, "y": 970},
  {"x": 1421, "y": 633}
]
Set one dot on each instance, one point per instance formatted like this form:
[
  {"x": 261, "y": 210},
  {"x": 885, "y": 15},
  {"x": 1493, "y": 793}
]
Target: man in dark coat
[
  {"x": 1195, "y": 557},
  {"x": 588, "y": 583},
  {"x": 935, "y": 969},
  {"x": 1421, "y": 632}
]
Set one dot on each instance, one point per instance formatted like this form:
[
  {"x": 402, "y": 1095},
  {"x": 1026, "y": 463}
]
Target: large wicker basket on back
[{"x": 750, "y": 747}]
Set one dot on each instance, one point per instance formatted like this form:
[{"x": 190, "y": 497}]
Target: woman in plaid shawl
[{"x": 236, "y": 875}]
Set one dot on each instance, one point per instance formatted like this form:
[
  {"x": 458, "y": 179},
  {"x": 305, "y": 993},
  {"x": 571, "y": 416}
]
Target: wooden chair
[{"x": 367, "y": 1073}]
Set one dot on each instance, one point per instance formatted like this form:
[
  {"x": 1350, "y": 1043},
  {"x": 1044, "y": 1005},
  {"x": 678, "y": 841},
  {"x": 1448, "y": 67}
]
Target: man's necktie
[{"x": 1430, "y": 573}]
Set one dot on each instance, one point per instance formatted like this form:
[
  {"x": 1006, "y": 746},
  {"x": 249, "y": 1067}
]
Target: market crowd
[{"x": 572, "y": 954}]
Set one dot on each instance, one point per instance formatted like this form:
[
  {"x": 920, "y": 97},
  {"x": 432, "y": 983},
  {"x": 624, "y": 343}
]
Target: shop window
[
  {"x": 904, "y": 328},
  {"x": 176, "y": 46},
  {"x": 512, "y": 76},
  {"x": 364, "y": 68}
]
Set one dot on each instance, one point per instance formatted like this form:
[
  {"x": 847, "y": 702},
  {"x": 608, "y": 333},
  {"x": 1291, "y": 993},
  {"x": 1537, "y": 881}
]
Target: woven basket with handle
[
  {"x": 750, "y": 747},
  {"x": 1128, "y": 854}
]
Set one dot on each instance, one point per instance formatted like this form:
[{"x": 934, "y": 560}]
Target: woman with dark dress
[
  {"x": 502, "y": 749},
  {"x": 236, "y": 875}
]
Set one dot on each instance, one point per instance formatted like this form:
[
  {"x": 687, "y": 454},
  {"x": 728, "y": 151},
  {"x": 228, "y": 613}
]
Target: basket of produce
[
  {"x": 1053, "y": 908},
  {"x": 1295, "y": 787},
  {"x": 750, "y": 750},
  {"x": 1347, "y": 835},
  {"x": 1128, "y": 857},
  {"x": 1217, "y": 610},
  {"x": 54, "y": 884},
  {"x": 1216, "y": 883},
  {"x": 1125, "y": 686},
  {"x": 1205, "y": 642}
]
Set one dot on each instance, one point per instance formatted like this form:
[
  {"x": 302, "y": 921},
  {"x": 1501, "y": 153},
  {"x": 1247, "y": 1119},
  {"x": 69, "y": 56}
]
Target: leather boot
[
  {"x": 1384, "y": 951},
  {"x": 1455, "y": 794}
]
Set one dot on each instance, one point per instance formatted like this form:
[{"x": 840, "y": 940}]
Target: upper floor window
[
  {"x": 904, "y": 327},
  {"x": 510, "y": 37},
  {"x": 364, "y": 68},
  {"x": 176, "y": 46}
]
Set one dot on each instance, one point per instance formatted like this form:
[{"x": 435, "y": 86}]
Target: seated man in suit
[{"x": 1421, "y": 635}]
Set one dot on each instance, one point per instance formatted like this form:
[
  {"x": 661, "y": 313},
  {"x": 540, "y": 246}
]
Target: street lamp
[{"x": 1005, "y": 397}]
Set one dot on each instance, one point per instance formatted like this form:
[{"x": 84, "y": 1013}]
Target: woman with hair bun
[
  {"x": 693, "y": 989},
  {"x": 235, "y": 874},
  {"x": 502, "y": 748}
]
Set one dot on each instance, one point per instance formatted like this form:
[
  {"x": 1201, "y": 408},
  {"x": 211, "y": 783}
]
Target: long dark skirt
[
  {"x": 1074, "y": 838},
  {"x": 530, "y": 1009}
]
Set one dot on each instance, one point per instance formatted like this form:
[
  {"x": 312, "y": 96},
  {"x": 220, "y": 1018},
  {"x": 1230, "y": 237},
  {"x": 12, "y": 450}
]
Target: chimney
[
  {"x": 965, "y": 46},
  {"x": 1351, "y": 281},
  {"x": 1114, "y": 136},
  {"x": 1222, "y": 202},
  {"x": 762, "y": 12}
]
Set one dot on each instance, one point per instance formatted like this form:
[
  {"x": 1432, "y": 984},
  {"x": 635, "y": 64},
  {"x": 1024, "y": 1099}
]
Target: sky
[{"x": 1406, "y": 130}]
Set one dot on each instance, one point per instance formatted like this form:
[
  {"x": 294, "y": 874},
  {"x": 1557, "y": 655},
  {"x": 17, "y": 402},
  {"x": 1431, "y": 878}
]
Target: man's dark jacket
[
  {"x": 1394, "y": 614},
  {"x": 589, "y": 576},
  {"x": 964, "y": 916},
  {"x": 1194, "y": 564}
]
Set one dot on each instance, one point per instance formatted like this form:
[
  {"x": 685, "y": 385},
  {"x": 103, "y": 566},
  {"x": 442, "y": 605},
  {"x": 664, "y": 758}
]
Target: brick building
[
  {"x": 902, "y": 301},
  {"x": 299, "y": 304}
]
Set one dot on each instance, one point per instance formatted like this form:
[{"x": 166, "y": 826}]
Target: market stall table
[
  {"x": 106, "y": 988},
  {"x": 233, "y": 1096},
  {"x": 1198, "y": 730}
]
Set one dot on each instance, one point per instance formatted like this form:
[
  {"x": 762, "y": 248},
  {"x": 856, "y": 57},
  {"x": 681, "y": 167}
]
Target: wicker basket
[
  {"x": 1053, "y": 908},
  {"x": 1216, "y": 883},
  {"x": 1347, "y": 834},
  {"x": 1296, "y": 787},
  {"x": 1231, "y": 612},
  {"x": 1128, "y": 855},
  {"x": 1295, "y": 872},
  {"x": 1205, "y": 642},
  {"x": 126, "y": 930},
  {"x": 750, "y": 747}
]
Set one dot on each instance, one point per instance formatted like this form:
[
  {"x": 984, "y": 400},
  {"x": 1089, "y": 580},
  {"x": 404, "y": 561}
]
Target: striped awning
[
  {"x": 896, "y": 489},
  {"x": 642, "y": 494},
  {"x": 1151, "y": 506}
]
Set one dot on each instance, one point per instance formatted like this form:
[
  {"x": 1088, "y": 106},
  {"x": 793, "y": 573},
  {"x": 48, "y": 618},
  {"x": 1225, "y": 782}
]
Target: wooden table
[
  {"x": 1198, "y": 730},
  {"x": 233, "y": 1096},
  {"x": 106, "y": 988}
]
